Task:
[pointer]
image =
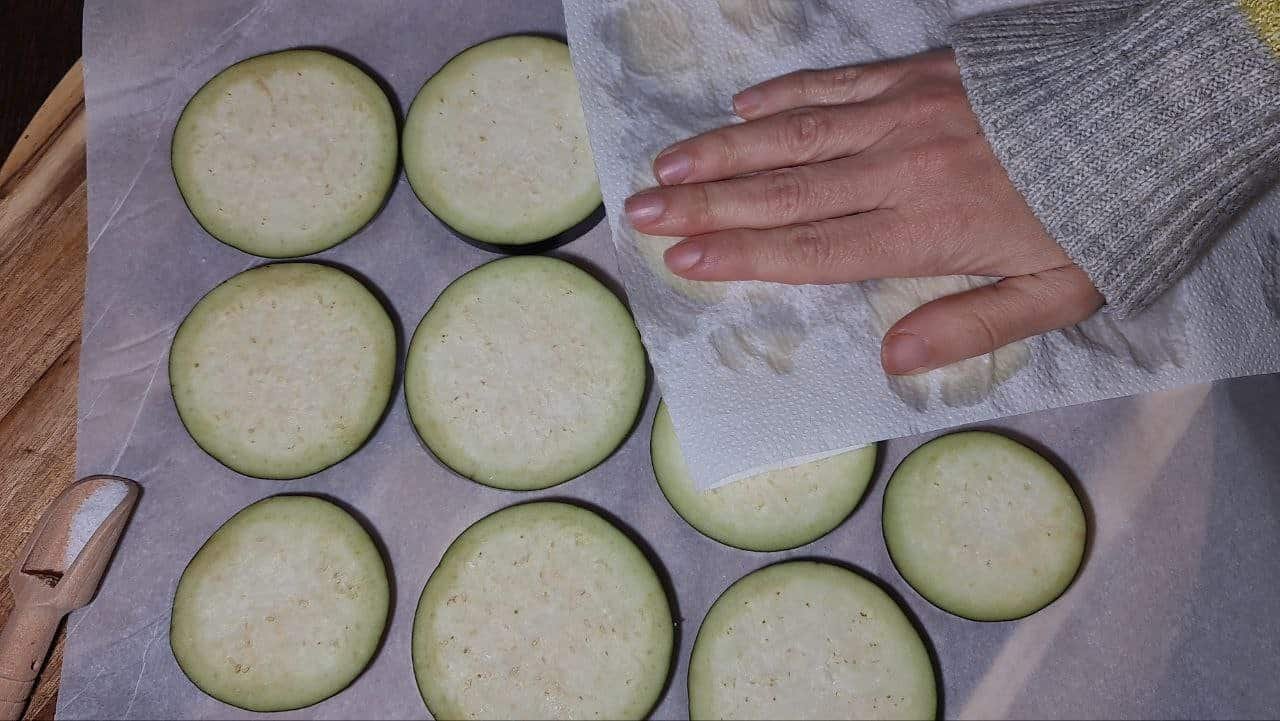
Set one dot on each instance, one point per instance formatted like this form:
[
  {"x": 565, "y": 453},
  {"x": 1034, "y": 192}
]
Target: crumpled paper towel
[{"x": 759, "y": 376}]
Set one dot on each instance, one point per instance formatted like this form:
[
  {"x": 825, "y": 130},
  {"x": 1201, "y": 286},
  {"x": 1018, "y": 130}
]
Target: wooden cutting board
[{"x": 43, "y": 216}]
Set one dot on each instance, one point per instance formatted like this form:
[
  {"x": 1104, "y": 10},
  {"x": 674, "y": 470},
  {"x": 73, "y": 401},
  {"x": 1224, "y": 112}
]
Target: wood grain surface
[{"x": 43, "y": 215}]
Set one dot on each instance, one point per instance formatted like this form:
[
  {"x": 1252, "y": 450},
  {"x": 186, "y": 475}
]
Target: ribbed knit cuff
[{"x": 1134, "y": 130}]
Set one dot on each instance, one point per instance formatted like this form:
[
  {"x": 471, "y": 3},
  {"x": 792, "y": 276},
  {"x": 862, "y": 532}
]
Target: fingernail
[
  {"x": 644, "y": 207},
  {"x": 672, "y": 166},
  {"x": 747, "y": 101},
  {"x": 682, "y": 256},
  {"x": 904, "y": 354}
]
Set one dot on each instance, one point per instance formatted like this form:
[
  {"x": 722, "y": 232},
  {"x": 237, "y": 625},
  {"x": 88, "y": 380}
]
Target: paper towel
[{"x": 759, "y": 376}]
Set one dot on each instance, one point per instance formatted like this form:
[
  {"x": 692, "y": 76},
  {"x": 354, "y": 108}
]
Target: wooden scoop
[{"x": 58, "y": 571}]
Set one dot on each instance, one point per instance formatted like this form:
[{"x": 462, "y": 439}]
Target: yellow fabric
[{"x": 1265, "y": 16}]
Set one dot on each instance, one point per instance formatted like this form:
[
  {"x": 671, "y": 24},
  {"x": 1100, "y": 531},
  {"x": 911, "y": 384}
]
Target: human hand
[{"x": 875, "y": 171}]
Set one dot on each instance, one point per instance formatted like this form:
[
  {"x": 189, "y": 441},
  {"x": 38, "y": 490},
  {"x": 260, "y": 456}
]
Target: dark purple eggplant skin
[{"x": 543, "y": 245}]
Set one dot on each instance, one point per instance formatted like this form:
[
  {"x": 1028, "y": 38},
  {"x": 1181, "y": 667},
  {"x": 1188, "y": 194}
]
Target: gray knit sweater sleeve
[{"x": 1134, "y": 129}]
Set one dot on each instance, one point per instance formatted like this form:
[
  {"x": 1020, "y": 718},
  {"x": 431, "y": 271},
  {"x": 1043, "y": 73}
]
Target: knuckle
[
  {"x": 701, "y": 210},
  {"x": 807, "y": 246},
  {"x": 803, "y": 131},
  {"x": 723, "y": 152},
  {"x": 784, "y": 194},
  {"x": 986, "y": 330},
  {"x": 811, "y": 84},
  {"x": 827, "y": 86}
]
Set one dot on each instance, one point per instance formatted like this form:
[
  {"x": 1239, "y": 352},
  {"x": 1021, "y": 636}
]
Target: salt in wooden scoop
[{"x": 57, "y": 572}]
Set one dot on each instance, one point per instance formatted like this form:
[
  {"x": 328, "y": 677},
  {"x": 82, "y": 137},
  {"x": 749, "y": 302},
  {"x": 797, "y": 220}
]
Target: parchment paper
[{"x": 1173, "y": 614}]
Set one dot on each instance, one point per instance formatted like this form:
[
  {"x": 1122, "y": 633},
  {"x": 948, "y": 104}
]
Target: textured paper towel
[{"x": 760, "y": 375}]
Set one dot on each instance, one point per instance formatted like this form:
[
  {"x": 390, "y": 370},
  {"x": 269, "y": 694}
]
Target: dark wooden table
[{"x": 42, "y": 261}]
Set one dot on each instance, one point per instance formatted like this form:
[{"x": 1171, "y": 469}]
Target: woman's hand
[{"x": 856, "y": 173}]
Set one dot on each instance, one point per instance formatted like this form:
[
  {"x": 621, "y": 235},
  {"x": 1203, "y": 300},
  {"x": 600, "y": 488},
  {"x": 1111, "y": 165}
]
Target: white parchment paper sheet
[
  {"x": 770, "y": 374},
  {"x": 1173, "y": 614}
]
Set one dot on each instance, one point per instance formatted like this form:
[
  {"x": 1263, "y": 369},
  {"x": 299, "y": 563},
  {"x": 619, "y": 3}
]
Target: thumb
[{"x": 978, "y": 321}]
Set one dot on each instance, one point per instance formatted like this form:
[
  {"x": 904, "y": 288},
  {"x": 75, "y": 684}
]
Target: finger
[
  {"x": 766, "y": 200},
  {"x": 834, "y": 86},
  {"x": 981, "y": 320},
  {"x": 796, "y": 137},
  {"x": 877, "y": 244}
]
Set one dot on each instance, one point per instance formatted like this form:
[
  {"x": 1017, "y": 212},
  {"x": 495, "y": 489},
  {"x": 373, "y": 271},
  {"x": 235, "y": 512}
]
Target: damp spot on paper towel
[
  {"x": 913, "y": 390},
  {"x": 651, "y": 247},
  {"x": 692, "y": 295},
  {"x": 772, "y": 334},
  {"x": 670, "y": 79},
  {"x": 654, "y": 38},
  {"x": 958, "y": 385},
  {"x": 962, "y": 384},
  {"x": 784, "y": 22},
  {"x": 1151, "y": 340},
  {"x": 956, "y": 382}
]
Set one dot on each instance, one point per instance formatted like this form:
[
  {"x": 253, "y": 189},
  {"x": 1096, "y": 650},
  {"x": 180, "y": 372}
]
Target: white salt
[{"x": 91, "y": 514}]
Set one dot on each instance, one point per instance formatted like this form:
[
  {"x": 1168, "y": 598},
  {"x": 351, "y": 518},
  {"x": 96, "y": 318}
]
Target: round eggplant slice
[
  {"x": 286, "y": 154},
  {"x": 525, "y": 373},
  {"x": 283, "y": 370},
  {"x": 543, "y": 610},
  {"x": 983, "y": 527},
  {"x": 495, "y": 146},
  {"x": 283, "y": 606}
]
